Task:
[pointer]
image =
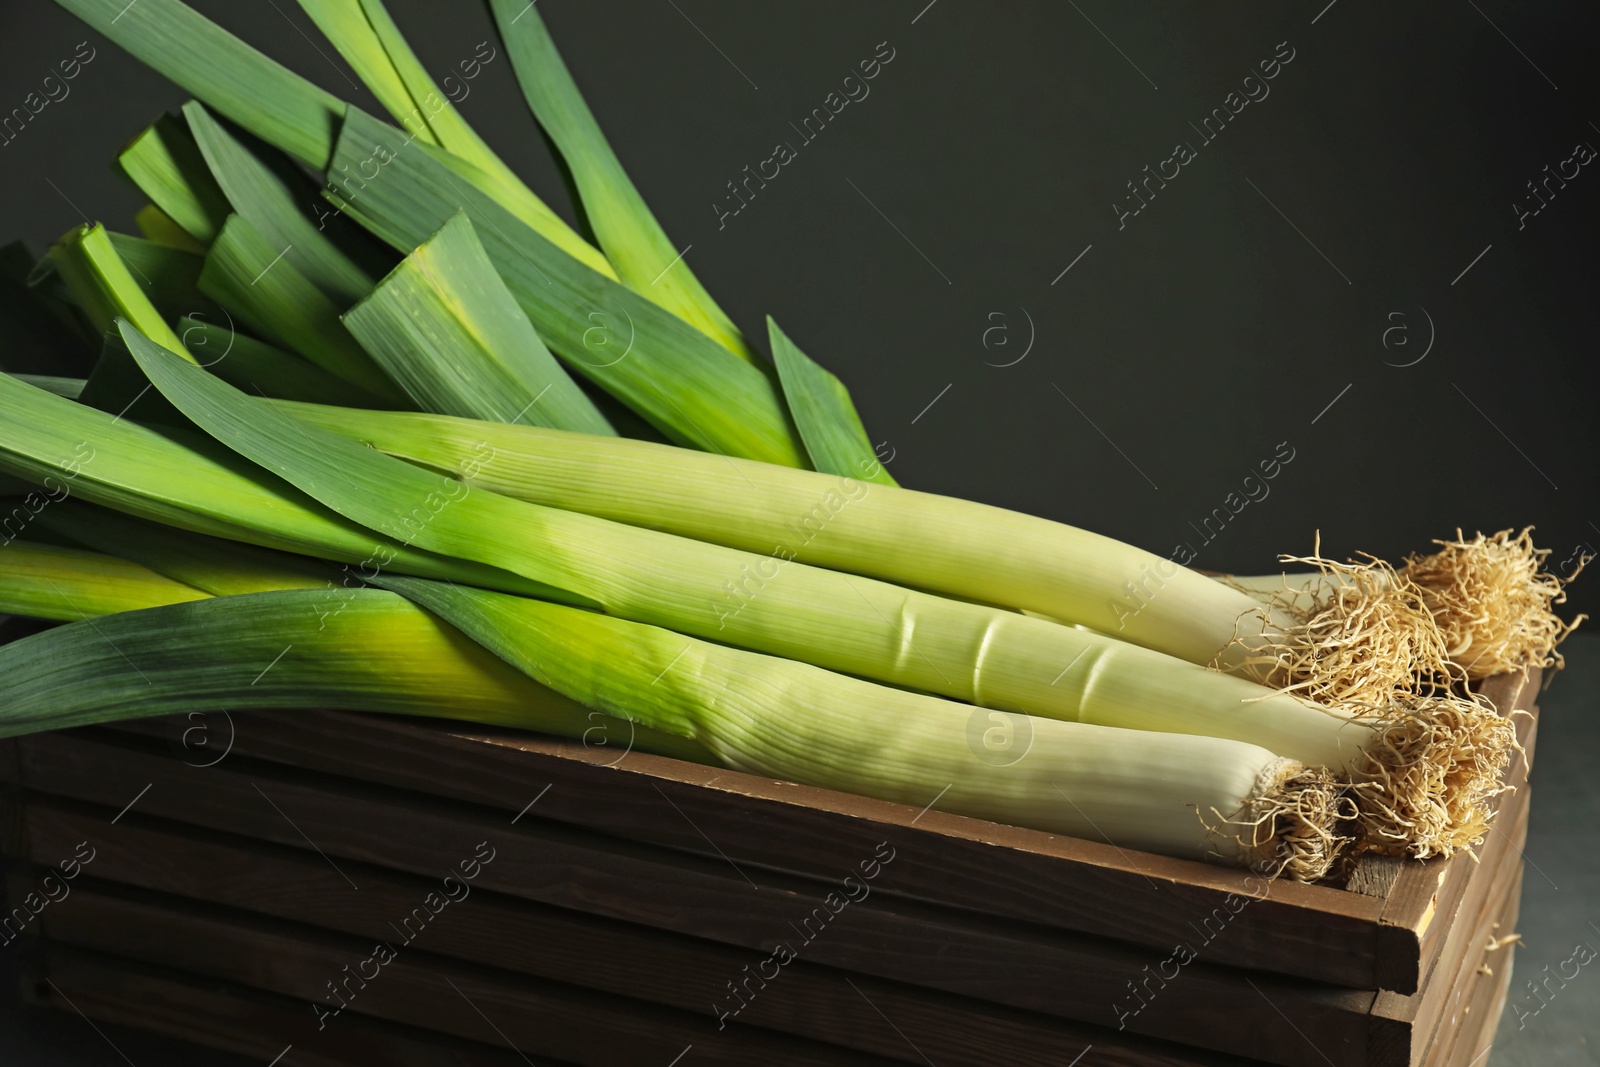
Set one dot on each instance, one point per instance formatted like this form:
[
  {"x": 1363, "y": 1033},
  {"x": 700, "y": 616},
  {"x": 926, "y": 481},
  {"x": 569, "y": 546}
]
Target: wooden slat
[
  {"x": 1002, "y": 962},
  {"x": 416, "y": 987},
  {"x": 1405, "y": 1026},
  {"x": 1466, "y": 1033},
  {"x": 232, "y": 1018},
  {"x": 1409, "y": 940},
  {"x": 1501, "y": 875},
  {"x": 615, "y": 957},
  {"x": 1376, "y": 876},
  {"x": 1312, "y": 931}
]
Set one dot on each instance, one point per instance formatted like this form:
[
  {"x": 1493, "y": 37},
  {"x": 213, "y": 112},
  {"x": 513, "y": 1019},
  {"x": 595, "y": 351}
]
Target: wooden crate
[{"x": 625, "y": 894}]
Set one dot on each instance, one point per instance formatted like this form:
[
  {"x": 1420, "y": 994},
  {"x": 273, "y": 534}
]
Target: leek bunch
[{"x": 364, "y": 403}]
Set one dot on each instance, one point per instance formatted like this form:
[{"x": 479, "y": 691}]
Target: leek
[
  {"x": 220, "y": 568},
  {"x": 680, "y": 697},
  {"x": 273, "y": 102},
  {"x": 835, "y": 440},
  {"x": 166, "y": 275},
  {"x": 260, "y": 368},
  {"x": 860, "y": 626},
  {"x": 942, "y": 544},
  {"x": 678, "y": 379},
  {"x": 369, "y": 40},
  {"x": 70, "y": 388},
  {"x": 1345, "y": 634},
  {"x": 104, "y": 288},
  {"x": 791, "y": 720}
]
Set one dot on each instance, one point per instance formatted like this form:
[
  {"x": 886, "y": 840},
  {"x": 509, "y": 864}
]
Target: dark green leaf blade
[
  {"x": 70, "y": 388},
  {"x": 370, "y": 41},
  {"x": 104, "y": 288},
  {"x": 644, "y": 256},
  {"x": 258, "y": 368},
  {"x": 378, "y": 653},
  {"x": 247, "y": 275},
  {"x": 210, "y": 564},
  {"x": 266, "y": 188},
  {"x": 834, "y": 436}
]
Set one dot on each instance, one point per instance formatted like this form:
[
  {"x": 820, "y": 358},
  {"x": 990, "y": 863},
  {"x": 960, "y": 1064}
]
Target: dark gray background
[
  {"x": 1179, "y": 351},
  {"x": 1216, "y": 325}
]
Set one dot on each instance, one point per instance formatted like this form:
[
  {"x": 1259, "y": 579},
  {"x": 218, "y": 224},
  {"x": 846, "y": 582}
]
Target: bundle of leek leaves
[{"x": 370, "y": 427}]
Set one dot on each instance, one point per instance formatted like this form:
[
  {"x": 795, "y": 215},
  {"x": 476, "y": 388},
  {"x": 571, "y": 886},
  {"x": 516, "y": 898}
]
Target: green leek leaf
[
  {"x": 67, "y": 387},
  {"x": 251, "y": 277},
  {"x": 68, "y": 584},
  {"x": 373, "y": 652},
  {"x": 103, "y": 286},
  {"x": 157, "y": 226},
  {"x": 167, "y": 166},
  {"x": 256, "y": 367},
  {"x": 367, "y": 37},
  {"x": 220, "y": 568},
  {"x": 273, "y": 102},
  {"x": 677, "y": 378},
  {"x": 167, "y": 276},
  {"x": 184, "y": 479},
  {"x": 391, "y": 496},
  {"x": 212, "y": 64},
  {"x": 445, "y": 328},
  {"x": 105, "y": 290},
  {"x": 644, "y": 256},
  {"x": 822, "y": 409},
  {"x": 267, "y": 189}
]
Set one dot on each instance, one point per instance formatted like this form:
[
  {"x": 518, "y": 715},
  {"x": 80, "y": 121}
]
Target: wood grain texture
[
  {"x": 1463, "y": 949},
  {"x": 417, "y": 988},
  {"x": 761, "y": 824},
  {"x": 1406, "y": 1027},
  {"x": 1468, "y": 1028},
  {"x": 1019, "y": 966},
  {"x": 1376, "y": 876},
  {"x": 636, "y": 962},
  {"x": 232, "y": 1018}
]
